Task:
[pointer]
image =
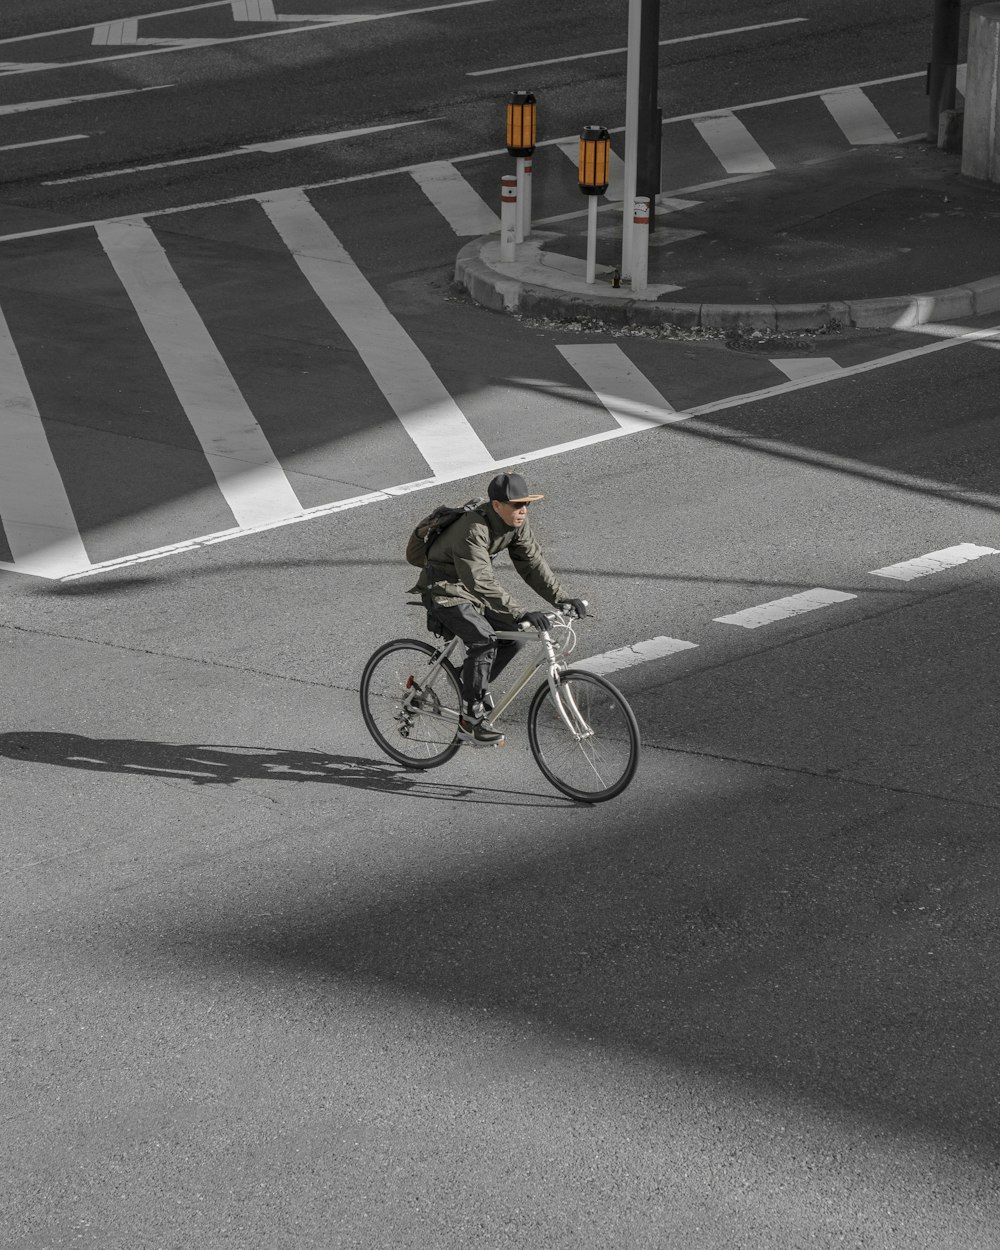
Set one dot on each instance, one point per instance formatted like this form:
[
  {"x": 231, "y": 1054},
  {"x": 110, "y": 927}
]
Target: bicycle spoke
[
  {"x": 596, "y": 760},
  {"x": 410, "y": 706}
]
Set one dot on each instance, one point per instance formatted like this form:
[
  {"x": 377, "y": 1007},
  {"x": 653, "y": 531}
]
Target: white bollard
[
  {"x": 508, "y": 216},
  {"x": 520, "y": 200},
  {"x": 525, "y": 196},
  {"x": 640, "y": 242},
  {"x": 591, "y": 237}
]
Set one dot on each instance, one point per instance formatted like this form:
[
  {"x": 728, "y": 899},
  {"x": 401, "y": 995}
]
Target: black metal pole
[
  {"x": 647, "y": 173},
  {"x": 943, "y": 63}
]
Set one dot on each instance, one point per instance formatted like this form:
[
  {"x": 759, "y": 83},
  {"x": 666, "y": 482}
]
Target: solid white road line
[
  {"x": 808, "y": 367},
  {"x": 29, "y": 106},
  {"x": 934, "y": 562},
  {"x": 269, "y": 145},
  {"x": 245, "y": 467},
  {"x": 584, "y": 56},
  {"x": 458, "y": 202},
  {"x": 781, "y": 609},
  {"x": 625, "y": 392},
  {"x": 857, "y": 117},
  {"x": 426, "y": 410},
  {"x": 34, "y": 508},
  {"x": 733, "y": 146},
  {"x": 39, "y": 143},
  {"x": 638, "y": 653}
]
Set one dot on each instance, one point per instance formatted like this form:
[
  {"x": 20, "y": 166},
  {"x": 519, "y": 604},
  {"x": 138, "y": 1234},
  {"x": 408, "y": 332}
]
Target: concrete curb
[{"x": 530, "y": 288}]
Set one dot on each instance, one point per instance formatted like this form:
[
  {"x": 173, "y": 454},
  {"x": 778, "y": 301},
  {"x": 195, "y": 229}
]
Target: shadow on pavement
[{"x": 215, "y": 765}]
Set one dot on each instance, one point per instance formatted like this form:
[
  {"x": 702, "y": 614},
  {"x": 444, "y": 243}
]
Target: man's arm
[{"x": 527, "y": 557}]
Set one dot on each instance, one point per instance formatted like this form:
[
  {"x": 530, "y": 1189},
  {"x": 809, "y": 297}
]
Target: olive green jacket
[{"x": 460, "y": 565}]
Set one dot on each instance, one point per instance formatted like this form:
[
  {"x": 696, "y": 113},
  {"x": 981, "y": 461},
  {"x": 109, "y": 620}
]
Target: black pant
[{"x": 486, "y": 656}]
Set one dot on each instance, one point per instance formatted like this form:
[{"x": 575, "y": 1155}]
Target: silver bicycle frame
[{"x": 550, "y": 661}]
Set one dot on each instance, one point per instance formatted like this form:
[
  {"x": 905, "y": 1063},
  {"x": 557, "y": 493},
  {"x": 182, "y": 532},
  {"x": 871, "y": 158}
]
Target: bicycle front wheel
[
  {"x": 589, "y": 746},
  {"x": 411, "y": 712}
]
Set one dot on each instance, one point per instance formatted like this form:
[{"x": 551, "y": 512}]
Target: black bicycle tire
[
  {"x": 635, "y": 739},
  {"x": 408, "y": 761}
]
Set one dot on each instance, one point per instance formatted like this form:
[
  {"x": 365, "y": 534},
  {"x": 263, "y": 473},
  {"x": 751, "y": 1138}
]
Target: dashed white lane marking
[
  {"x": 733, "y": 146},
  {"x": 637, "y": 653},
  {"x": 249, "y": 476},
  {"x": 585, "y": 56},
  {"x": 857, "y": 117},
  {"x": 625, "y": 392},
  {"x": 34, "y": 508},
  {"x": 458, "y": 202},
  {"x": 779, "y": 609},
  {"x": 426, "y": 410},
  {"x": 934, "y": 562},
  {"x": 30, "y": 106},
  {"x": 809, "y": 367}
]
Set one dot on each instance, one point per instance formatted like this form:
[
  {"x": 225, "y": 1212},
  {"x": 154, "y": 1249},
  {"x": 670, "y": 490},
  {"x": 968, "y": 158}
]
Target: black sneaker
[{"x": 478, "y": 734}]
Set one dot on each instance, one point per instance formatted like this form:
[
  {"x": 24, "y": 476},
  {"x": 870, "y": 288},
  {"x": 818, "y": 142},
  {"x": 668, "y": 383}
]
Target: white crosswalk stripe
[
  {"x": 34, "y": 509},
  {"x": 462, "y": 207},
  {"x": 419, "y": 399},
  {"x": 735, "y": 148},
  {"x": 239, "y": 455},
  {"x": 857, "y": 117},
  {"x": 625, "y": 392}
]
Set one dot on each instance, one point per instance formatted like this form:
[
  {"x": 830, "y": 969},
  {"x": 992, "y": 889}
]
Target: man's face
[{"x": 511, "y": 513}]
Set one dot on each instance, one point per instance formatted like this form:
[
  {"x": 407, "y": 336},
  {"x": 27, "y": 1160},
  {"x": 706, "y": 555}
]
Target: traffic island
[{"x": 882, "y": 236}]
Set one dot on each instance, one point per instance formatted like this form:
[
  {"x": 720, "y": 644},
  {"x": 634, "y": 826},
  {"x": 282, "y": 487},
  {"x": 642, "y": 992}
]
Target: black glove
[
  {"x": 577, "y": 606},
  {"x": 537, "y": 620}
]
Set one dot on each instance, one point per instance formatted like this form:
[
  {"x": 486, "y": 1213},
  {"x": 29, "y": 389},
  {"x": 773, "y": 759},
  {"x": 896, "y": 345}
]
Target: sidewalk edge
[{"x": 505, "y": 293}]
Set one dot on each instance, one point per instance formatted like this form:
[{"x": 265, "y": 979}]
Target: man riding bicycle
[{"x": 460, "y": 591}]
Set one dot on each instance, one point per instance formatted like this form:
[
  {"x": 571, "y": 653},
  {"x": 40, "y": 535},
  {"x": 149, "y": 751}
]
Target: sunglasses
[{"x": 518, "y": 503}]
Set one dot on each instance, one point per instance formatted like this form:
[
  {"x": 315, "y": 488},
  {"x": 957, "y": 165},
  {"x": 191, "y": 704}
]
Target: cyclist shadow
[{"x": 215, "y": 764}]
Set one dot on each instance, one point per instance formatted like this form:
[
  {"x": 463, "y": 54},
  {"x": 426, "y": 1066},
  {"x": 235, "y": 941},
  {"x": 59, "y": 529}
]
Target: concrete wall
[{"x": 981, "y": 137}]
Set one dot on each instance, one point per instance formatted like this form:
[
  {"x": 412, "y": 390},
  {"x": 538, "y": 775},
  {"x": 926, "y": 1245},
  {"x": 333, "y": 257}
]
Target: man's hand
[
  {"x": 577, "y": 606},
  {"x": 537, "y": 620}
]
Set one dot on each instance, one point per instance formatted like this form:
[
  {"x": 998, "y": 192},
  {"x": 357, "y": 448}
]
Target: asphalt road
[{"x": 262, "y": 988}]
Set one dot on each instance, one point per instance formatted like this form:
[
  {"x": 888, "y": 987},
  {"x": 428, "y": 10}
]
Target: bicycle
[{"x": 582, "y": 732}]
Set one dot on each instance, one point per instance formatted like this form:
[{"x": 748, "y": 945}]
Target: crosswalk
[{"x": 219, "y": 369}]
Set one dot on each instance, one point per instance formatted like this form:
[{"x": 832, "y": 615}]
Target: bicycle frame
[{"x": 552, "y": 661}]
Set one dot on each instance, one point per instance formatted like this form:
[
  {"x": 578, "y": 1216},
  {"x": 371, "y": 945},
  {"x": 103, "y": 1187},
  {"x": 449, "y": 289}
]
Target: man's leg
[
  {"x": 506, "y": 648},
  {"x": 480, "y": 652}
]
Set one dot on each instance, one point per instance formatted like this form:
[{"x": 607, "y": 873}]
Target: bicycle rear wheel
[
  {"x": 598, "y": 759},
  {"x": 411, "y": 713}
]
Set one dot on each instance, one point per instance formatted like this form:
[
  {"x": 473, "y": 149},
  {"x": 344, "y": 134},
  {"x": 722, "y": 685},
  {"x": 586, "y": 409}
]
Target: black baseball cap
[{"x": 511, "y": 488}]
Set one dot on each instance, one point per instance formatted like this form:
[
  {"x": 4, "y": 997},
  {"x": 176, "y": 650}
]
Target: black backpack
[{"x": 432, "y": 527}]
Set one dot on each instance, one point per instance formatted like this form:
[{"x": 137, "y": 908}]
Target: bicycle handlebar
[{"x": 555, "y": 617}]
